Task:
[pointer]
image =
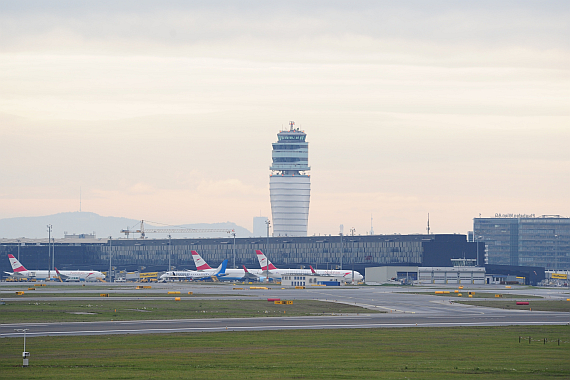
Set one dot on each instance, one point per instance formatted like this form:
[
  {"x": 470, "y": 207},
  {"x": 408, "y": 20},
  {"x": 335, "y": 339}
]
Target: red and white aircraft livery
[
  {"x": 64, "y": 275},
  {"x": 276, "y": 273},
  {"x": 231, "y": 274},
  {"x": 200, "y": 263},
  {"x": 194, "y": 275}
]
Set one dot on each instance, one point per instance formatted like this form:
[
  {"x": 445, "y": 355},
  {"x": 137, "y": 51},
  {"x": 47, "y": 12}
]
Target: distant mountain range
[{"x": 102, "y": 226}]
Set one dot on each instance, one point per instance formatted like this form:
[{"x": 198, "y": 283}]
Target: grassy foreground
[
  {"x": 126, "y": 310},
  {"x": 411, "y": 353}
]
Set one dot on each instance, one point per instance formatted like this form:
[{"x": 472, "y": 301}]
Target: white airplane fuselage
[
  {"x": 72, "y": 275},
  {"x": 277, "y": 273},
  {"x": 186, "y": 275},
  {"x": 191, "y": 275},
  {"x": 345, "y": 274},
  {"x": 230, "y": 275},
  {"x": 238, "y": 274}
]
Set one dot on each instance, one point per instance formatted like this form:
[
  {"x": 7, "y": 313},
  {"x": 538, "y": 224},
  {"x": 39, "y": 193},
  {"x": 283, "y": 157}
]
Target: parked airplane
[
  {"x": 274, "y": 272},
  {"x": 231, "y": 274},
  {"x": 249, "y": 276},
  {"x": 65, "y": 278},
  {"x": 192, "y": 275},
  {"x": 80, "y": 275}
]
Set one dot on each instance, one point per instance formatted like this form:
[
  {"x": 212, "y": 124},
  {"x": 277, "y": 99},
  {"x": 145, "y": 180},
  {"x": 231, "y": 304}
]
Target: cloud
[
  {"x": 224, "y": 188},
  {"x": 294, "y": 28}
]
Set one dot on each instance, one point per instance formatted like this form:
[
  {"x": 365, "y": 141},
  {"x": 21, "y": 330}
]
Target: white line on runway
[{"x": 277, "y": 327}]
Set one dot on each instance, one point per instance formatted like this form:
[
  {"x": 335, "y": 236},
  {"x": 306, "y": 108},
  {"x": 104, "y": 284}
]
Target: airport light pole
[
  {"x": 341, "y": 250},
  {"x": 49, "y": 226},
  {"x": 110, "y": 255},
  {"x": 268, "y": 222},
  {"x": 352, "y": 231},
  {"x": 18, "y": 249},
  {"x": 169, "y": 251},
  {"x": 25, "y": 354},
  {"x": 53, "y": 253},
  {"x": 234, "y": 249},
  {"x": 556, "y": 252}
]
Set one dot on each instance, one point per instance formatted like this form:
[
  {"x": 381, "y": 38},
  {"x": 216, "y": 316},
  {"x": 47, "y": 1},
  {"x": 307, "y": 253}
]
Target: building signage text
[{"x": 515, "y": 216}]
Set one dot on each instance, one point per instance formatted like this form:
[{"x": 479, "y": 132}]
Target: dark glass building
[{"x": 525, "y": 240}]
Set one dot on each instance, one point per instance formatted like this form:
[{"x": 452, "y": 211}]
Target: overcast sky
[{"x": 166, "y": 110}]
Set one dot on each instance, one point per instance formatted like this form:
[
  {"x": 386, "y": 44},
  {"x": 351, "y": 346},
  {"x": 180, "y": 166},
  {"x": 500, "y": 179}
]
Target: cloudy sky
[{"x": 166, "y": 110}]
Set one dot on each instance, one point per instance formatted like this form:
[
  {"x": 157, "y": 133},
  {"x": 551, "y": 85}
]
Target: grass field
[
  {"x": 122, "y": 310},
  {"x": 411, "y": 353},
  {"x": 538, "y": 305}
]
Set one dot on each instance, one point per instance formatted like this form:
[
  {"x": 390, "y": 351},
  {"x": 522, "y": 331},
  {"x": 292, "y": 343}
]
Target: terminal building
[
  {"x": 525, "y": 240},
  {"x": 322, "y": 252},
  {"x": 426, "y": 275}
]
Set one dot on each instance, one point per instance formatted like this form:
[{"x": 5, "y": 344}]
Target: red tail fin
[
  {"x": 16, "y": 265},
  {"x": 264, "y": 261},
  {"x": 199, "y": 261}
]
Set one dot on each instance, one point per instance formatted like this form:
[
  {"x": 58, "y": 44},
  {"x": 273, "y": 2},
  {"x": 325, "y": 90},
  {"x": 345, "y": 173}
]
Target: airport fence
[{"x": 544, "y": 341}]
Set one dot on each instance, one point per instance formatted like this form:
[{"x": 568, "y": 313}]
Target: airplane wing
[
  {"x": 220, "y": 272},
  {"x": 61, "y": 277},
  {"x": 248, "y": 275}
]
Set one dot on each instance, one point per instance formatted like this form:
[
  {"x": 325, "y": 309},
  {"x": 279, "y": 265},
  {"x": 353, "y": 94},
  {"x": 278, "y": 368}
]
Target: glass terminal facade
[
  {"x": 526, "y": 241},
  {"x": 322, "y": 252}
]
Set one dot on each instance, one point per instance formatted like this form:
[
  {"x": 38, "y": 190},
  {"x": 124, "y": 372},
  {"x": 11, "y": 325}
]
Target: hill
[{"x": 101, "y": 226}]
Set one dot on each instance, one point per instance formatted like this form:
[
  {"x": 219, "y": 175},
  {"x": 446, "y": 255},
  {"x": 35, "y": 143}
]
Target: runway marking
[
  {"x": 276, "y": 327},
  {"x": 368, "y": 305},
  {"x": 469, "y": 315}
]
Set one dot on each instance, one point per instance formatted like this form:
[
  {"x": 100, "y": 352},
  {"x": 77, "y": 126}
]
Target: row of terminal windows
[{"x": 252, "y": 246}]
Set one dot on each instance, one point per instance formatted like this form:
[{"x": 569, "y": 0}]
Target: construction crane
[{"x": 141, "y": 230}]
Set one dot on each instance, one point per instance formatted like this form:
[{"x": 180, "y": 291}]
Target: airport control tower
[{"x": 289, "y": 185}]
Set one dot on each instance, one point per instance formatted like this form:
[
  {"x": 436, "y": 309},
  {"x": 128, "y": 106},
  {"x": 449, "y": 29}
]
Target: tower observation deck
[{"x": 289, "y": 185}]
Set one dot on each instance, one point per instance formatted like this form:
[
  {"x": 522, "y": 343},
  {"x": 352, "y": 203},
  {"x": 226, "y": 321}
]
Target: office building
[{"x": 525, "y": 240}]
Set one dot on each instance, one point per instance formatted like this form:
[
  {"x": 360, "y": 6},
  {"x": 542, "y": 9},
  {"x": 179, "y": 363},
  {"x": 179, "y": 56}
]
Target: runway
[
  {"x": 401, "y": 309},
  {"x": 284, "y": 323}
]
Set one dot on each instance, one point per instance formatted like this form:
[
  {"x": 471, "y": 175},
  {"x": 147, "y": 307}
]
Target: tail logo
[
  {"x": 199, "y": 261},
  {"x": 16, "y": 265}
]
